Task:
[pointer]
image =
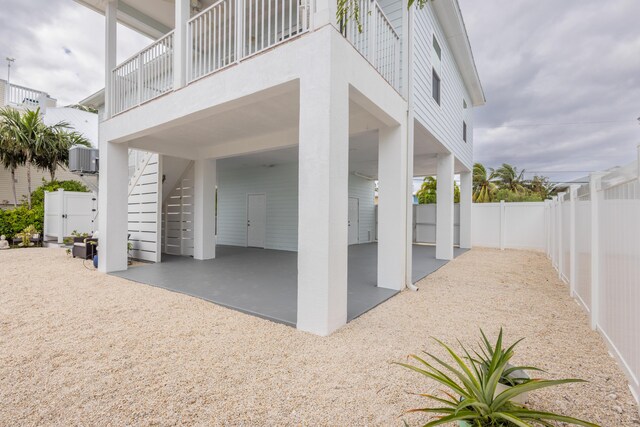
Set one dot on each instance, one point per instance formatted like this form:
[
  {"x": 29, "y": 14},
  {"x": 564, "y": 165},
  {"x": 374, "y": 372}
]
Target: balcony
[{"x": 230, "y": 31}]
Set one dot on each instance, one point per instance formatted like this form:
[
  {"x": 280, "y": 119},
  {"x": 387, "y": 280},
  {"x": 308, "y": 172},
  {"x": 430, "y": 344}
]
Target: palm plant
[
  {"x": 475, "y": 380},
  {"x": 483, "y": 187},
  {"x": 509, "y": 178},
  {"x": 11, "y": 154},
  {"x": 27, "y": 129},
  {"x": 56, "y": 142}
]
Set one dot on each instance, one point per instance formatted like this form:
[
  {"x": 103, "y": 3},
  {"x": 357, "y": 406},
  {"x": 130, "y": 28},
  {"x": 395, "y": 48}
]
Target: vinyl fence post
[
  {"x": 594, "y": 188},
  {"x": 502, "y": 223},
  {"x": 573, "y": 193},
  {"x": 61, "y": 217},
  {"x": 559, "y": 233}
]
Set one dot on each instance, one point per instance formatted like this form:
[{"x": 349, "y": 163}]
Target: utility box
[
  {"x": 69, "y": 211},
  {"x": 83, "y": 160}
]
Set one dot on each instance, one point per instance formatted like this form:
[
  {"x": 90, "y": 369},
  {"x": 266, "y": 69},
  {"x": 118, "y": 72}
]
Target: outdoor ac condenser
[{"x": 83, "y": 160}]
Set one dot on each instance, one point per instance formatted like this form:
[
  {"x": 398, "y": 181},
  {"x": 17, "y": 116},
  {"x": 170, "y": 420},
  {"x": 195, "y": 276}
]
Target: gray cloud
[
  {"x": 58, "y": 46},
  {"x": 549, "y": 61}
]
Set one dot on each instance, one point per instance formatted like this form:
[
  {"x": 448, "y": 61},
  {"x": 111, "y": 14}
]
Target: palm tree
[
  {"x": 509, "y": 178},
  {"x": 11, "y": 154},
  {"x": 55, "y": 147},
  {"x": 483, "y": 188}
]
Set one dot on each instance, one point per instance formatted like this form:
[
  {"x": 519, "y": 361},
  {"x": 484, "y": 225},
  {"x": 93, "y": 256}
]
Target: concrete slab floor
[{"x": 263, "y": 282}]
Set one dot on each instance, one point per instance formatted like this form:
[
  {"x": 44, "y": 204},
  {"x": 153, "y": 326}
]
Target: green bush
[
  {"x": 511, "y": 196},
  {"x": 13, "y": 221}
]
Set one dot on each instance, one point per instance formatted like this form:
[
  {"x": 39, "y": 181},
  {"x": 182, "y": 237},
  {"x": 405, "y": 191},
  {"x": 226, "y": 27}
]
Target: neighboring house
[
  {"x": 292, "y": 117},
  {"x": 24, "y": 98}
]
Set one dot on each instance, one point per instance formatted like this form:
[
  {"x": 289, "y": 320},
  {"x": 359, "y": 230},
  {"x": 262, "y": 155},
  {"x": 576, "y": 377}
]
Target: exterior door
[
  {"x": 354, "y": 220},
  {"x": 256, "y": 220}
]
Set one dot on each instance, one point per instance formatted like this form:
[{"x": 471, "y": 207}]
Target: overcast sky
[{"x": 545, "y": 65}]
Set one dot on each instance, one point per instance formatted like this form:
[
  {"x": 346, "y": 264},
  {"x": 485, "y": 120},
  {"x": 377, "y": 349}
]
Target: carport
[{"x": 263, "y": 282}]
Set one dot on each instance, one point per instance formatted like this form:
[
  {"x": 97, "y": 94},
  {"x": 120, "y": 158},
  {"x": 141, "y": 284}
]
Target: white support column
[
  {"x": 573, "y": 194},
  {"x": 594, "y": 185},
  {"x": 444, "y": 207},
  {"x": 466, "y": 193},
  {"x": 325, "y": 13},
  {"x": 182, "y": 15},
  {"x": 159, "y": 198},
  {"x": 113, "y": 202},
  {"x": 111, "y": 40},
  {"x": 204, "y": 216},
  {"x": 392, "y": 205},
  {"x": 323, "y": 199}
]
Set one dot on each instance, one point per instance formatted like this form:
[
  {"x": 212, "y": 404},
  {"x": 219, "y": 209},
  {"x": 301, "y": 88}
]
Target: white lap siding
[
  {"x": 279, "y": 183},
  {"x": 444, "y": 121}
]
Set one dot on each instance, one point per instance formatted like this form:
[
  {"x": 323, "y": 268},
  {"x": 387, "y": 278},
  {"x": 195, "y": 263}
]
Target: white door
[
  {"x": 354, "y": 220},
  {"x": 256, "y": 220}
]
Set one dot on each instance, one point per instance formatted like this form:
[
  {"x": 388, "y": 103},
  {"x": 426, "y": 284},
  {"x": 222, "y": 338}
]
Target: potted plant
[{"x": 473, "y": 399}]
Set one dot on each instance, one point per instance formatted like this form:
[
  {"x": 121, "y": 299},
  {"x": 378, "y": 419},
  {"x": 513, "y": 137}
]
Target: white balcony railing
[
  {"x": 144, "y": 76},
  {"x": 23, "y": 96},
  {"x": 231, "y": 30},
  {"x": 375, "y": 38}
]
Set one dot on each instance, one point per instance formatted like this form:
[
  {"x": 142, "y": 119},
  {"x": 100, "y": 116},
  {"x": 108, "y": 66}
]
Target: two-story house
[{"x": 284, "y": 111}]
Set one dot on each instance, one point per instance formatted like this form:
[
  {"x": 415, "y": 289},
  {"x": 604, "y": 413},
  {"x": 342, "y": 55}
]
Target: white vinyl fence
[
  {"x": 508, "y": 225},
  {"x": 593, "y": 241}
]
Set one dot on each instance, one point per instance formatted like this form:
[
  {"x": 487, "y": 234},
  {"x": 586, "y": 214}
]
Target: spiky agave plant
[{"x": 474, "y": 380}]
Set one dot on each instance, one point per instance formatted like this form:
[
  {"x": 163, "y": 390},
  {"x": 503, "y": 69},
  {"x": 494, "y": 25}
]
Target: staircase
[{"x": 145, "y": 189}]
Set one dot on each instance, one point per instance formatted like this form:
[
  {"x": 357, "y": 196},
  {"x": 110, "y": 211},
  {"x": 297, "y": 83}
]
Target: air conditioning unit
[{"x": 83, "y": 160}]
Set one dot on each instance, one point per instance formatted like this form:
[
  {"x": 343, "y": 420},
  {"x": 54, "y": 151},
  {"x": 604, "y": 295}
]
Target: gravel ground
[{"x": 81, "y": 348}]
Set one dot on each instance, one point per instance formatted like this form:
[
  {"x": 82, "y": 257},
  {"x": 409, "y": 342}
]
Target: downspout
[{"x": 410, "y": 140}]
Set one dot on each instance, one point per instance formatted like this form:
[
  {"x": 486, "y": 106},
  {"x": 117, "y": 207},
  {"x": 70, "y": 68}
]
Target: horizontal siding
[
  {"x": 280, "y": 185},
  {"x": 37, "y": 175},
  {"x": 143, "y": 207},
  {"x": 444, "y": 121}
]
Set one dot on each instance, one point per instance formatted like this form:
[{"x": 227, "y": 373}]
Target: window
[
  {"x": 435, "y": 86},
  {"x": 464, "y": 131},
  {"x": 436, "y": 48}
]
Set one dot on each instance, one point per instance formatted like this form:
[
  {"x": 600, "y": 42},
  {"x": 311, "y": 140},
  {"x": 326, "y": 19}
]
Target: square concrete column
[
  {"x": 323, "y": 200},
  {"x": 204, "y": 209},
  {"x": 113, "y": 206},
  {"x": 182, "y": 15},
  {"x": 444, "y": 207},
  {"x": 392, "y": 207},
  {"x": 110, "y": 57},
  {"x": 466, "y": 194}
]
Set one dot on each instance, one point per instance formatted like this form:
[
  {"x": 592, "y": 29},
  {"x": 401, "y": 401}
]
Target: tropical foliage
[
  {"x": 25, "y": 140},
  {"x": 428, "y": 191},
  {"x": 472, "y": 381},
  {"x": 13, "y": 221},
  {"x": 508, "y": 183}
]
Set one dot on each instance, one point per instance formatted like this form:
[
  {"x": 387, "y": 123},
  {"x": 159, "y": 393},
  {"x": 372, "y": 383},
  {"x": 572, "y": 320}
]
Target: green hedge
[{"x": 13, "y": 221}]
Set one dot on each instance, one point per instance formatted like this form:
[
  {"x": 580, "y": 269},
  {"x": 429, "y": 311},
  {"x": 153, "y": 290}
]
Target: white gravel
[{"x": 81, "y": 348}]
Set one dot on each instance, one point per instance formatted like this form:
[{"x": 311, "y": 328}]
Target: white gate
[{"x": 69, "y": 211}]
